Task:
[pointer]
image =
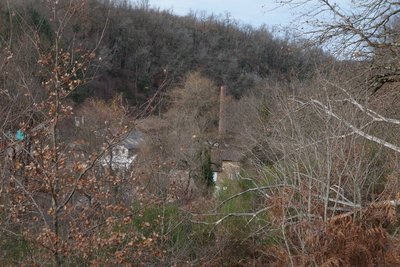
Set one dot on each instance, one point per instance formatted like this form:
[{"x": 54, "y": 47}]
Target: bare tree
[
  {"x": 45, "y": 175},
  {"x": 360, "y": 30}
]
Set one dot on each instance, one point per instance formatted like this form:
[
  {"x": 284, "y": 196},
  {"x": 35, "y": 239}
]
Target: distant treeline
[{"x": 142, "y": 48}]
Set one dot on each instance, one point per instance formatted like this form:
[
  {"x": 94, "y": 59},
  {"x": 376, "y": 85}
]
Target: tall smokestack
[{"x": 222, "y": 111}]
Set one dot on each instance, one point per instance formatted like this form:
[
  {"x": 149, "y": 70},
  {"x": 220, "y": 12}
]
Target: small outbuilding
[{"x": 123, "y": 154}]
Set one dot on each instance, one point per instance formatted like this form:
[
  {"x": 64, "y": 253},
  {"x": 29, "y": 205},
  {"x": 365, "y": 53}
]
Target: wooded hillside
[
  {"x": 143, "y": 47},
  {"x": 133, "y": 137}
]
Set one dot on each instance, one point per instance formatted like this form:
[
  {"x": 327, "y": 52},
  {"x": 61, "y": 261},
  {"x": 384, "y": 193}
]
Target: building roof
[
  {"x": 219, "y": 155},
  {"x": 133, "y": 140},
  {"x": 231, "y": 154}
]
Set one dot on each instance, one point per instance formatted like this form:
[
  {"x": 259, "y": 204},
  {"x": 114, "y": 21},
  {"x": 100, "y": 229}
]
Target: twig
[{"x": 357, "y": 130}]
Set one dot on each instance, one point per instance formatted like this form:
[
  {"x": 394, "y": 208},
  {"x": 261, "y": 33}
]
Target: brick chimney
[{"x": 222, "y": 110}]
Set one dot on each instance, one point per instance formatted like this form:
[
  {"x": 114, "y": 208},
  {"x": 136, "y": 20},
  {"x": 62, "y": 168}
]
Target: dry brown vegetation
[{"x": 319, "y": 180}]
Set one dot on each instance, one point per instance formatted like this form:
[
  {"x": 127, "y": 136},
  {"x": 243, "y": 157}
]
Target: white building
[{"x": 123, "y": 154}]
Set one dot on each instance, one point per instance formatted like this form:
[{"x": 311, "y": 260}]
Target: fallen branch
[{"x": 357, "y": 130}]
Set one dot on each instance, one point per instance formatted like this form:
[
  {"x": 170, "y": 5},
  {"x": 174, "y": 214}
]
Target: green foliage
[
  {"x": 80, "y": 95},
  {"x": 378, "y": 169},
  {"x": 41, "y": 24},
  {"x": 76, "y": 28},
  {"x": 271, "y": 175},
  {"x": 206, "y": 172},
  {"x": 12, "y": 249},
  {"x": 174, "y": 228},
  {"x": 244, "y": 203},
  {"x": 237, "y": 231},
  {"x": 228, "y": 188},
  {"x": 264, "y": 112}
]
